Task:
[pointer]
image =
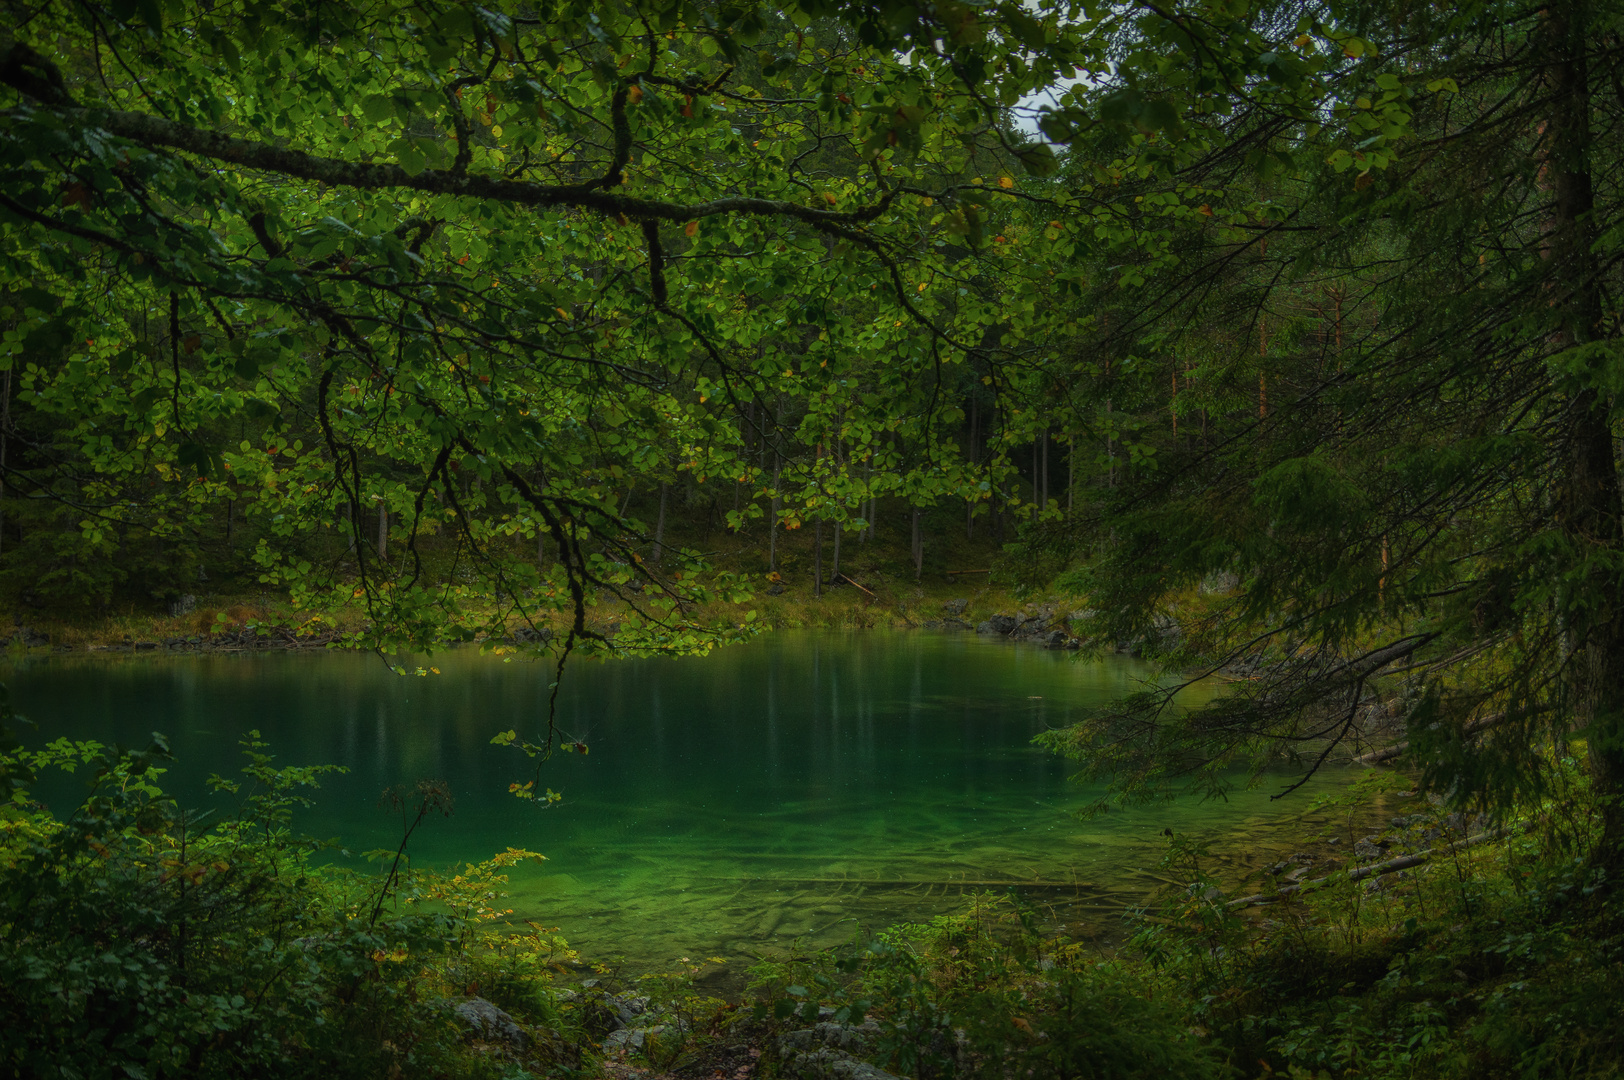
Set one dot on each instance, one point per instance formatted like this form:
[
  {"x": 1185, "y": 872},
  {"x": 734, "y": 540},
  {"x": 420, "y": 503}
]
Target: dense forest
[{"x": 1279, "y": 335}]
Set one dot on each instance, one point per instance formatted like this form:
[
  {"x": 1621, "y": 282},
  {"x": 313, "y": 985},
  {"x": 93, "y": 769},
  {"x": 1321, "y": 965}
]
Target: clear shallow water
[{"x": 798, "y": 786}]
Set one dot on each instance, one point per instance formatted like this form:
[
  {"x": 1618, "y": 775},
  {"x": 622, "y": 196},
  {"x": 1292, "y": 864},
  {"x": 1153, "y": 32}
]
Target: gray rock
[
  {"x": 998, "y": 624},
  {"x": 631, "y": 1038},
  {"x": 825, "y": 1052},
  {"x": 489, "y": 1022},
  {"x": 1055, "y": 639},
  {"x": 626, "y": 1007},
  {"x": 854, "y": 1039},
  {"x": 525, "y": 635},
  {"x": 775, "y": 589},
  {"x": 1368, "y": 848},
  {"x": 831, "y": 1065},
  {"x": 956, "y": 607},
  {"x": 183, "y": 606}
]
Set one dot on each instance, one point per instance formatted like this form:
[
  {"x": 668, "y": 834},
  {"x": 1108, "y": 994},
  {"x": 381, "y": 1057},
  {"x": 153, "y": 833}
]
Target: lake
[{"x": 797, "y": 787}]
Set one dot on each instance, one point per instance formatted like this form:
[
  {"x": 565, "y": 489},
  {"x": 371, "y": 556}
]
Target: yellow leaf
[
  {"x": 921, "y": 286},
  {"x": 828, "y": 198},
  {"x": 691, "y": 229},
  {"x": 562, "y": 314},
  {"x": 497, "y": 131},
  {"x": 1006, "y": 182},
  {"x": 634, "y": 95},
  {"x": 1304, "y": 41}
]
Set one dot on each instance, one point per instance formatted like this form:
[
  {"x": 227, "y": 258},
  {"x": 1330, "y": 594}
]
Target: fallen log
[
  {"x": 854, "y": 585},
  {"x": 1388, "y": 753},
  {"x": 1359, "y": 873}
]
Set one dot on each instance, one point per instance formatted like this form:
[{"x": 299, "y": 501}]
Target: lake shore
[{"x": 236, "y": 622}]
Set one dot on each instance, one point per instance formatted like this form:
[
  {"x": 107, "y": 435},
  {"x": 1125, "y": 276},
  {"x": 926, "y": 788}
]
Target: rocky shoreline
[{"x": 1038, "y": 625}]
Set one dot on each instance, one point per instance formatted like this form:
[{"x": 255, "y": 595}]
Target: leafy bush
[
  {"x": 982, "y": 994},
  {"x": 140, "y": 940}
]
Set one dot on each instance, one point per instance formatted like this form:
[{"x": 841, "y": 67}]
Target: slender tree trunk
[
  {"x": 659, "y": 528},
  {"x": 834, "y": 571},
  {"x": 918, "y": 547},
  {"x": 1173, "y": 403},
  {"x": 975, "y": 459},
  {"x": 1071, "y": 471},
  {"x": 1043, "y": 504},
  {"x": 1035, "y": 490},
  {"x": 5, "y": 437},
  {"x": 383, "y": 531},
  {"x": 772, "y": 521},
  {"x": 1110, "y": 448},
  {"x": 817, "y": 559}
]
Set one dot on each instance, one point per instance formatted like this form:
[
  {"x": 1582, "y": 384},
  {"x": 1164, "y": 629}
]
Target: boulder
[
  {"x": 826, "y": 1052},
  {"x": 1369, "y": 848},
  {"x": 489, "y": 1022},
  {"x": 775, "y": 589},
  {"x": 626, "y": 1007},
  {"x": 997, "y": 624},
  {"x": 185, "y": 605},
  {"x": 956, "y": 607},
  {"x": 631, "y": 1038}
]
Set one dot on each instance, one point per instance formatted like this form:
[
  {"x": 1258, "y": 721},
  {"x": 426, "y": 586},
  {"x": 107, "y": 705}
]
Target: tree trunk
[
  {"x": 1110, "y": 448},
  {"x": 1033, "y": 513},
  {"x": 383, "y": 531},
  {"x": 918, "y": 547},
  {"x": 772, "y": 521},
  {"x": 1589, "y": 493},
  {"x": 834, "y": 571},
  {"x": 817, "y": 560},
  {"x": 5, "y": 437},
  {"x": 659, "y": 528},
  {"x": 1043, "y": 503}
]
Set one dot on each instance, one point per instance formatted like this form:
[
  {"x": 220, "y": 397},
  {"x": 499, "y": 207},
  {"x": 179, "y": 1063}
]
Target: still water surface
[{"x": 798, "y": 786}]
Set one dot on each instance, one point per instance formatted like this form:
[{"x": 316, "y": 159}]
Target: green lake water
[{"x": 799, "y": 786}]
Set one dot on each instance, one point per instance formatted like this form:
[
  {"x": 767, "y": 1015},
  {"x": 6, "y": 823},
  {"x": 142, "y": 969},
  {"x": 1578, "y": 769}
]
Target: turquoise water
[{"x": 795, "y": 787}]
